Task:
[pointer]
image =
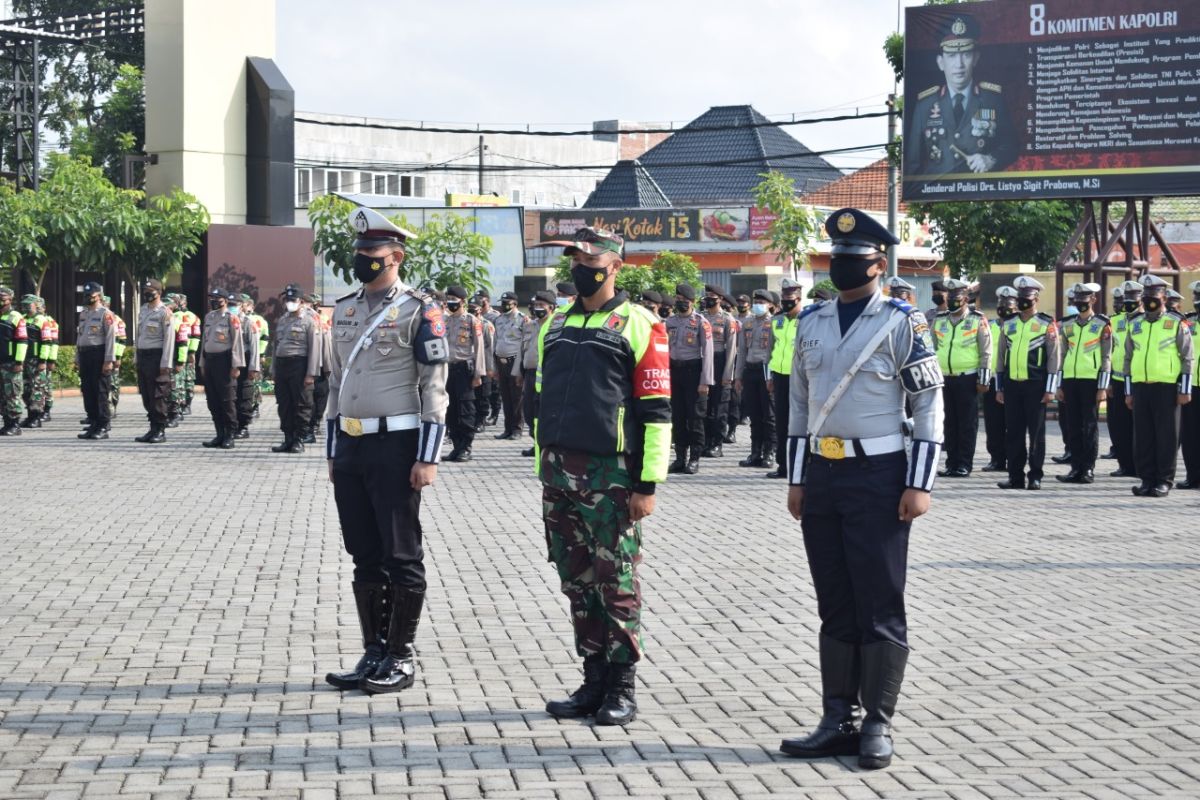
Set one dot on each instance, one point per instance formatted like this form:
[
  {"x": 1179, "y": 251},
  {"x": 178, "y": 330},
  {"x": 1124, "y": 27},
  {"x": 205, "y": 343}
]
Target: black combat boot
[
  {"x": 587, "y": 699},
  {"x": 95, "y": 432},
  {"x": 285, "y": 446},
  {"x": 309, "y": 437},
  {"x": 33, "y": 420},
  {"x": 46, "y": 416},
  {"x": 620, "y": 704},
  {"x": 882, "y": 673},
  {"x": 173, "y": 420},
  {"x": 226, "y": 442},
  {"x": 11, "y": 428},
  {"x": 837, "y": 732},
  {"x": 693, "y": 464},
  {"x": 216, "y": 440},
  {"x": 242, "y": 433},
  {"x": 145, "y": 437},
  {"x": 297, "y": 446},
  {"x": 755, "y": 458},
  {"x": 397, "y": 670},
  {"x": 157, "y": 434},
  {"x": 716, "y": 451},
  {"x": 679, "y": 465},
  {"x": 371, "y": 601}
]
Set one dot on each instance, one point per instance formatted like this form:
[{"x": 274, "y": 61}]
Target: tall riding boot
[
  {"x": 882, "y": 673},
  {"x": 397, "y": 670},
  {"x": 620, "y": 704},
  {"x": 371, "y": 601},
  {"x": 837, "y": 732},
  {"x": 587, "y": 699}
]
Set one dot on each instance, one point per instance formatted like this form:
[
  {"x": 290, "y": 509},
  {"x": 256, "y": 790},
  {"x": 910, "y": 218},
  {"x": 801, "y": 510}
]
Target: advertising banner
[{"x": 1052, "y": 99}]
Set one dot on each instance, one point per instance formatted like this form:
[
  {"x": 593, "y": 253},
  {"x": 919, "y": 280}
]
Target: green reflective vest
[
  {"x": 1155, "y": 354},
  {"x": 1194, "y": 321},
  {"x": 1026, "y": 355},
  {"x": 995, "y": 326},
  {"x": 1081, "y": 358},
  {"x": 264, "y": 333},
  {"x": 957, "y": 343},
  {"x": 1120, "y": 325},
  {"x": 783, "y": 329}
]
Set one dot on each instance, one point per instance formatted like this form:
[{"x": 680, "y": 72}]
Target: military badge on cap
[
  {"x": 845, "y": 222},
  {"x": 374, "y": 229}
]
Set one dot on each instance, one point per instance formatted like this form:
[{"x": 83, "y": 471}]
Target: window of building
[
  {"x": 331, "y": 181},
  {"x": 381, "y": 182},
  {"x": 303, "y": 187},
  {"x": 393, "y": 184},
  {"x": 515, "y": 196}
]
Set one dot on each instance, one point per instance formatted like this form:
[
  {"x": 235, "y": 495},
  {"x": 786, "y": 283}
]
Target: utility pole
[
  {"x": 893, "y": 265},
  {"x": 482, "y": 148}
]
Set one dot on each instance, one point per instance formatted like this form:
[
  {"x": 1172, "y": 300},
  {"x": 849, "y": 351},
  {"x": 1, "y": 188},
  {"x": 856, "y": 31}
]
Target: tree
[
  {"x": 120, "y": 127},
  {"x": 796, "y": 226},
  {"x": 172, "y": 227},
  {"x": 447, "y": 252},
  {"x": 333, "y": 235},
  {"x": 21, "y": 230},
  {"x": 973, "y": 236},
  {"x": 663, "y": 274}
]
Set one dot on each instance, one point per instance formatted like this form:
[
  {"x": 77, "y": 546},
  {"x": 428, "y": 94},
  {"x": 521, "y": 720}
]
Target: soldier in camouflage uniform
[
  {"x": 603, "y": 436},
  {"x": 189, "y": 368},
  {"x": 48, "y": 356},
  {"x": 178, "y": 396},
  {"x": 37, "y": 379},
  {"x": 14, "y": 342},
  {"x": 114, "y": 396}
]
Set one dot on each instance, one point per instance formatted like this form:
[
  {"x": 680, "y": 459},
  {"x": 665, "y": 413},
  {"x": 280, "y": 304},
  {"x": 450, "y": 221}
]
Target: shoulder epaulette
[
  {"x": 804, "y": 312},
  {"x": 1104, "y": 319},
  {"x": 1176, "y": 315},
  {"x": 991, "y": 87},
  {"x": 907, "y": 308},
  {"x": 425, "y": 298},
  {"x": 1045, "y": 317},
  {"x": 347, "y": 295},
  {"x": 932, "y": 90}
]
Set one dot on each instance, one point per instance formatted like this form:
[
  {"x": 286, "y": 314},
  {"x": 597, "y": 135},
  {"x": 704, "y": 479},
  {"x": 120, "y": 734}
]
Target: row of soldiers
[{"x": 1139, "y": 362}]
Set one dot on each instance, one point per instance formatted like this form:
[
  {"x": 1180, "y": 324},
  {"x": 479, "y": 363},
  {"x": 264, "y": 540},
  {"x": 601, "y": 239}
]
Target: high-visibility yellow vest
[
  {"x": 957, "y": 343},
  {"x": 1081, "y": 359},
  {"x": 995, "y": 326},
  {"x": 1155, "y": 356},
  {"x": 1120, "y": 325},
  {"x": 783, "y": 328},
  {"x": 1024, "y": 337}
]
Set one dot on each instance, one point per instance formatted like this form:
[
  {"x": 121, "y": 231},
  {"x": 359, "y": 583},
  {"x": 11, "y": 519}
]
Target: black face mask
[
  {"x": 216, "y": 305},
  {"x": 1006, "y": 312},
  {"x": 953, "y": 303},
  {"x": 367, "y": 269},
  {"x": 1083, "y": 307},
  {"x": 710, "y": 302},
  {"x": 848, "y": 274},
  {"x": 453, "y": 306},
  {"x": 743, "y": 309},
  {"x": 1025, "y": 303},
  {"x": 938, "y": 298},
  {"x": 664, "y": 312},
  {"x": 682, "y": 306},
  {"x": 1129, "y": 306},
  {"x": 1152, "y": 304},
  {"x": 788, "y": 305},
  {"x": 540, "y": 312},
  {"x": 149, "y": 297},
  {"x": 507, "y": 306},
  {"x": 588, "y": 280},
  {"x": 651, "y": 307}
]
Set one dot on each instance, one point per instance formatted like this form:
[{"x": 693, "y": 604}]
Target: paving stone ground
[{"x": 167, "y": 612}]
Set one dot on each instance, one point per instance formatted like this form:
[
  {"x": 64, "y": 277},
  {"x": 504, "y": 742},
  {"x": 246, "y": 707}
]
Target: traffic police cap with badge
[
  {"x": 1006, "y": 292},
  {"x": 857, "y": 235},
  {"x": 1195, "y": 287},
  {"x": 1027, "y": 285},
  {"x": 1151, "y": 281},
  {"x": 960, "y": 34},
  {"x": 896, "y": 283},
  {"x": 375, "y": 230},
  {"x": 955, "y": 285},
  {"x": 1174, "y": 295},
  {"x": 590, "y": 242},
  {"x": 787, "y": 285},
  {"x": 1131, "y": 287},
  {"x": 1081, "y": 290},
  {"x": 7, "y": 292}
]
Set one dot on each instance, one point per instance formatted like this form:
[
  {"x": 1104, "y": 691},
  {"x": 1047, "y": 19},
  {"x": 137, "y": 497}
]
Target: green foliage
[
  {"x": 21, "y": 229},
  {"x": 172, "y": 227},
  {"x": 823, "y": 284},
  {"x": 333, "y": 235},
  {"x": 893, "y": 51},
  {"x": 975, "y": 235},
  {"x": 667, "y": 270},
  {"x": 796, "y": 226},
  {"x": 447, "y": 252},
  {"x": 119, "y": 129},
  {"x": 65, "y": 375}
]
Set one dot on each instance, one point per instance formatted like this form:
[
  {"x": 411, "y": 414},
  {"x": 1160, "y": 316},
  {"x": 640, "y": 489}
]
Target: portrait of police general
[{"x": 960, "y": 125}]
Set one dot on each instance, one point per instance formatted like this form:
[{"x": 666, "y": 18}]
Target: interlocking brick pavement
[{"x": 167, "y": 612}]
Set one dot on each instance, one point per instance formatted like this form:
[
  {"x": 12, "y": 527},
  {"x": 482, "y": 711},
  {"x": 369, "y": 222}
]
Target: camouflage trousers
[
  {"x": 177, "y": 399},
  {"x": 114, "y": 396},
  {"x": 12, "y": 387},
  {"x": 597, "y": 550},
  {"x": 189, "y": 383},
  {"x": 37, "y": 386}
]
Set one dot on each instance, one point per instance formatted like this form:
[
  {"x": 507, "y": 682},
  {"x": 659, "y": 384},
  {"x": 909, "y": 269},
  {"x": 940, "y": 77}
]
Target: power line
[{"x": 587, "y": 132}]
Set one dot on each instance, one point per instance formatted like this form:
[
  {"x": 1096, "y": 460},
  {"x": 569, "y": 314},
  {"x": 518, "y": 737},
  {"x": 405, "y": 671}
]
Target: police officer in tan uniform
[
  {"x": 541, "y": 307},
  {"x": 95, "y": 348},
  {"x": 511, "y": 325},
  {"x": 222, "y": 358},
  {"x": 464, "y": 335},
  {"x": 297, "y": 360},
  {"x": 725, "y": 346},
  {"x": 752, "y": 369},
  {"x": 690, "y": 336},
  {"x": 386, "y": 422},
  {"x": 155, "y": 350}
]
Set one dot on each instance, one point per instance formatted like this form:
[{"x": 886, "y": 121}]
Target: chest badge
[
  {"x": 383, "y": 351},
  {"x": 350, "y": 311},
  {"x": 392, "y": 313}
]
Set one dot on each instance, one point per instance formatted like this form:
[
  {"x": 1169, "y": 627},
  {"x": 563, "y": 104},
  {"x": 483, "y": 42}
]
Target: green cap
[{"x": 590, "y": 241}]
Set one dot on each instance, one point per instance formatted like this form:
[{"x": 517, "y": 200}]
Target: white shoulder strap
[
  {"x": 814, "y": 427},
  {"x": 362, "y": 340}
]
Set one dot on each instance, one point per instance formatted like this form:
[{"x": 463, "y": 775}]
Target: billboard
[
  {"x": 739, "y": 224},
  {"x": 1052, "y": 99}
]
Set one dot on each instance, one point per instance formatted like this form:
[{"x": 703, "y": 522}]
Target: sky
[{"x": 562, "y": 61}]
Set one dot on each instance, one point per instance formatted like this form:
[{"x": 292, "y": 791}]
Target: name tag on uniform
[
  {"x": 152, "y": 329},
  {"x": 94, "y": 329},
  {"x": 220, "y": 337}
]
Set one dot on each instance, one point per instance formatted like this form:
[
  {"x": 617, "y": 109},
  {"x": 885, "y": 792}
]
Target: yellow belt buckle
[
  {"x": 832, "y": 448},
  {"x": 353, "y": 426}
]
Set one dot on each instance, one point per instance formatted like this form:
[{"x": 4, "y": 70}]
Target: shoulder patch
[
  {"x": 991, "y": 87},
  {"x": 806, "y": 311},
  {"x": 930, "y": 92},
  {"x": 433, "y": 314},
  {"x": 896, "y": 302},
  {"x": 616, "y": 322}
]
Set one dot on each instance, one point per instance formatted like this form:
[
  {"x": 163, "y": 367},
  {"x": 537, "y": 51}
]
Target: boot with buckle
[
  {"x": 837, "y": 732},
  {"x": 397, "y": 670},
  {"x": 371, "y": 601},
  {"x": 882, "y": 674},
  {"x": 620, "y": 701},
  {"x": 587, "y": 699}
]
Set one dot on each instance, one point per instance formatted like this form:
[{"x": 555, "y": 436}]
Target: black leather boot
[
  {"x": 837, "y": 732},
  {"x": 397, "y": 671},
  {"x": 882, "y": 673},
  {"x": 587, "y": 699},
  {"x": 285, "y": 447},
  {"x": 693, "y": 464},
  {"x": 11, "y": 428},
  {"x": 620, "y": 704},
  {"x": 216, "y": 440},
  {"x": 157, "y": 434},
  {"x": 716, "y": 451},
  {"x": 33, "y": 420},
  {"x": 371, "y": 601},
  {"x": 755, "y": 458},
  {"x": 678, "y": 465}
]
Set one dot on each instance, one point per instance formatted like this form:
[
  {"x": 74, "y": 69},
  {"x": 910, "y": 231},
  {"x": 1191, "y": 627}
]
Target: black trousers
[
  {"x": 1064, "y": 424},
  {"x": 857, "y": 547},
  {"x": 1189, "y": 430},
  {"x": 460, "y": 414},
  {"x": 993, "y": 427},
  {"x": 295, "y": 400},
  {"x": 781, "y": 396},
  {"x": 244, "y": 399},
  {"x": 94, "y": 385},
  {"x": 219, "y": 388},
  {"x": 733, "y": 417},
  {"x": 715, "y": 416},
  {"x": 377, "y": 507},
  {"x": 530, "y": 397},
  {"x": 1025, "y": 428},
  {"x": 320, "y": 396},
  {"x": 1082, "y": 423},
  {"x": 1120, "y": 428},
  {"x": 493, "y": 392},
  {"x": 154, "y": 388},
  {"x": 482, "y": 392},
  {"x": 510, "y": 393},
  {"x": 1155, "y": 431},
  {"x": 757, "y": 405},
  {"x": 688, "y": 408},
  {"x": 960, "y": 400}
]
